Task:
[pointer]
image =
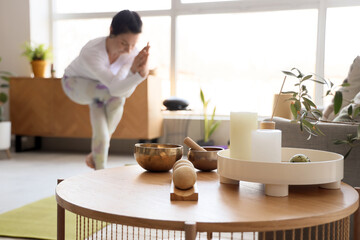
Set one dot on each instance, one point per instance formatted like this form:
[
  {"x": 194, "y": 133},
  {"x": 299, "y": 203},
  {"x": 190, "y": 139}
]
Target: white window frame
[{"x": 241, "y": 6}]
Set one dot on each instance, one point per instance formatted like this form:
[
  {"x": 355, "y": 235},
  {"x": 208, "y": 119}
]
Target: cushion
[{"x": 349, "y": 92}]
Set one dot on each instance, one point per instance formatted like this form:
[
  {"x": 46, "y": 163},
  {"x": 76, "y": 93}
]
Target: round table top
[{"x": 132, "y": 196}]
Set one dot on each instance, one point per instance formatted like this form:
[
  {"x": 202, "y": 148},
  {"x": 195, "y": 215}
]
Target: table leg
[
  {"x": 190, "y": 230},
  {"x": 8, "y": 153},
  {"x": 60, "y": 220},
  {"x": 357, "y": 221}
]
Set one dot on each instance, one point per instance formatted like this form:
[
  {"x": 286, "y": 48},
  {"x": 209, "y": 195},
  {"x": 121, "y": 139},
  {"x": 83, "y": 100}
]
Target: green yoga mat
[{"x": 36, "y": 220}]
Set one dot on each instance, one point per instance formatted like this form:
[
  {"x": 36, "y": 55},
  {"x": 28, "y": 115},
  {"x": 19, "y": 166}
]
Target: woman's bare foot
[{"x": 90, "y": 161}]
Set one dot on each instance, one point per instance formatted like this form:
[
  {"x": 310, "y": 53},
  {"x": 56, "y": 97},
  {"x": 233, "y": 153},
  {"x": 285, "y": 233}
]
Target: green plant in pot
[
  {"x": 210, "y": 124},
  {"x": 5, "y": 78},
  {"x": 306, "y": 113},
  {"x": 5, "y": 126},
  {"x": 37, "y": 54}
]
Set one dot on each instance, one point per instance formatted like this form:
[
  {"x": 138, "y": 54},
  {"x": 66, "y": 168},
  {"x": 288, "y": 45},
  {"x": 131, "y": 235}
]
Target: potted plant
[
  {"x": 306, "y": 113},
  {"x": 210, "y": 124},
  {"x": 5, "y": 126},
  {"x": 37, "y": 54}
]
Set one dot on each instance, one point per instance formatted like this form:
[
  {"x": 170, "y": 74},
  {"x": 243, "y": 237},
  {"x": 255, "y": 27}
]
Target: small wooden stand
[{"x": 191, "y": 194}]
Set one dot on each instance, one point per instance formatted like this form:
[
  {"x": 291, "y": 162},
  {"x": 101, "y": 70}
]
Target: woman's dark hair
[{"x": 126, "y": 22}]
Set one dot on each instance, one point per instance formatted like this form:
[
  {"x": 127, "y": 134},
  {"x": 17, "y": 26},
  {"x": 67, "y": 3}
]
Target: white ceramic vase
[{"x": 5, "y": 135}]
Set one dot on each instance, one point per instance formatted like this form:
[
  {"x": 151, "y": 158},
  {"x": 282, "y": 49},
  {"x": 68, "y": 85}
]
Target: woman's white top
[{"x": 93, "y": 63}]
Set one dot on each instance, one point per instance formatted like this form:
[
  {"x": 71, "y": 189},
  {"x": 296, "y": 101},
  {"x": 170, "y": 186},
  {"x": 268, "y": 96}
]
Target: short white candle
[
  {"x": 241, "y": 126},
  {"x": 266, "y": 145}
]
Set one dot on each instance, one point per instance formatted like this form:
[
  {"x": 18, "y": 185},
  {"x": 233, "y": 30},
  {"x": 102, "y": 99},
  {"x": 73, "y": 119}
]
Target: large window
[
  {"x": 237, "y": 58},
  {"x": 233, "y": 50}
]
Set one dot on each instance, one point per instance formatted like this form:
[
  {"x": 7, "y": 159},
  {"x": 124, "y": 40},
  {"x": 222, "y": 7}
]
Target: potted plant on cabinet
[
  {"x": 5, "y": 126},
  {"x": 210, "y": 124},
  {"x": 37, "y": 54}
]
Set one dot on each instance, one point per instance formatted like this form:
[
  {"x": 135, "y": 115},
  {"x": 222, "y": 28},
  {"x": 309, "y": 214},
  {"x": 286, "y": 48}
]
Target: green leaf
[
  {"x": 317, "y": 81},
  {"x": 289, "y": 92},
  {"x": 339, "y": 142},
  {"x": 213, "y": 127},
  {"x": 337, "y": 101},
  {"x": 311, "y": 103},
  {"x": 317, "y": 129},
  {"x": 3, "y": 97},
  {"x": 293, "y": 110},
  {"x": 300, "y": 75},
  {"x": 202, "y": 96},
  {"x": 307, "y": 106},
  {"x": 308, "y": 124},
  {"x": 328, "y": 92},
  {"x": 297, "y": 105},
  {"x": 6, "y": 73},
  {"x": 306, "y": 77},
  {"x": 347, "y": 154},
  {"x": 289, "y": 73},
  {"x": 356, "y": 112},
  {"x": 345, "y": 85},
  {"x": 7, "y": 79},
  {"x": 350, "y": 110},
  {"x": 316, "y": 113}
]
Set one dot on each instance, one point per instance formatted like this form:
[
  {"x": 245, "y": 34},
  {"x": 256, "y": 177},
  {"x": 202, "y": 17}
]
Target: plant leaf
[
  {"x": 350, "y": 111},
  {"x": 347, "y": 154},
  {"x": 311, "y": 103},
  {"x": 3, "y": 97},
  {"x": 300, "y": 75},
  {"x": 213, "y": 127},
  {"x": 338, "y": 142},
  {"x": 289, "y": 73},
  {"x": 337, "y": 101},
  {"x": 297, "y": 105},
  {"x": 307, "y": 77},
  {"x": 356, "y": 112},
  {"x": 293, "y": 110},
  {"x": 202, "y": 96}
]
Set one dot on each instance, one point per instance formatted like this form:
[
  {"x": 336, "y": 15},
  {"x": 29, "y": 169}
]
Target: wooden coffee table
[{"x": 130, "y": 196}]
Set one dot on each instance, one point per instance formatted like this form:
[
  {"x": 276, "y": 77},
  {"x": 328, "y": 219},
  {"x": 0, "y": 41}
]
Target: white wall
[{"x": 14, "y": 32}]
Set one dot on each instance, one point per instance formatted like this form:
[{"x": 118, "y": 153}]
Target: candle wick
[{"x": 277, "y": 100}]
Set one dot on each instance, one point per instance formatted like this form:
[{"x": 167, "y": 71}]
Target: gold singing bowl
[
  {"x": 204, "y": 161},
  {"x": 156, "y": 157}
]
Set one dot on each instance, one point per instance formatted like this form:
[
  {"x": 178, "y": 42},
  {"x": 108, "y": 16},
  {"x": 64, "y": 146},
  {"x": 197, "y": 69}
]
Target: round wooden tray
[{"x": 325, "y": 168}]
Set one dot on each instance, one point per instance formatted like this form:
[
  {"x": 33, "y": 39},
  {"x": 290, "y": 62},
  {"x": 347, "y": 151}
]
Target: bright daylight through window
[{"x": 233, "y": 50}]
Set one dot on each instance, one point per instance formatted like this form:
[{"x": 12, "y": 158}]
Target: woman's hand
[{"x": 140, "y": 63}]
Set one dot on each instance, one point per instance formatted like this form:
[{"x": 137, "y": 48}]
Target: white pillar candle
[
  {"x": 241, "y": 126},
  {"x": 266, "y": 145}
]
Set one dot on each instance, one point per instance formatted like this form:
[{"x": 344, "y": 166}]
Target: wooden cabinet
[{"x": 39, "y": 107}]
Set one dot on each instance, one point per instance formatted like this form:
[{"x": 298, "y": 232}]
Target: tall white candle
[
  {"x": 241, "y": 126},
  {"x": 266, "y": 145}
]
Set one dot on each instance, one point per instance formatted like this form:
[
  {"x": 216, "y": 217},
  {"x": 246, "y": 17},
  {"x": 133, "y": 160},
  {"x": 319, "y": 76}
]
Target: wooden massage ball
[
  {"x": 182, "y": 162},
  {"x": 184, "y": 176}
]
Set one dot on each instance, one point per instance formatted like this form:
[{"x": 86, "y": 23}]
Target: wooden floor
[{"x": 32, "y": 175}]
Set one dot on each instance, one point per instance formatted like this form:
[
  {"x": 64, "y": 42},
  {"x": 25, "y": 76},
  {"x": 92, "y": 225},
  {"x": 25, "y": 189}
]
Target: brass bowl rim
[
  {"x": 211, "y": 151},
  {"x": 156, "y": 146}
]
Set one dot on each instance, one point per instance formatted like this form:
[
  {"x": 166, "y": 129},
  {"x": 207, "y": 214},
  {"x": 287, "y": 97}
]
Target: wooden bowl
[
  {"x": 204, "y": 161},
  {"x": 156, "y": 157}
]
